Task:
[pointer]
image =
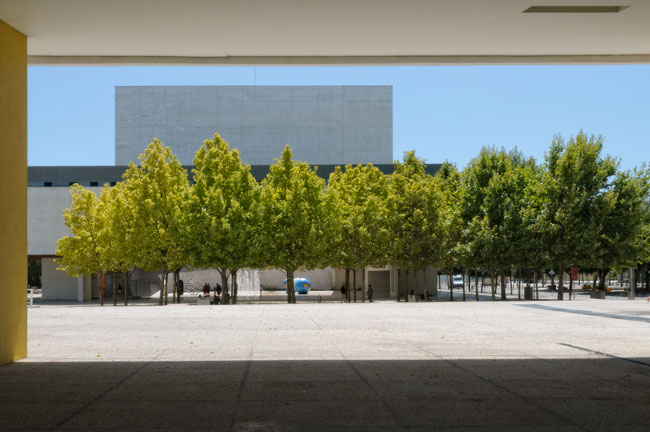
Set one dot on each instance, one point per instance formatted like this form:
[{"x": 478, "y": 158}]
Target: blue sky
[{"x": 443, "y": 112}]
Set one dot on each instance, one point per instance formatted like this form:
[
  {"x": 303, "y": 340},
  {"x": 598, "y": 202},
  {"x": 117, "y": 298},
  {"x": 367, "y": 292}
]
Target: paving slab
[{"x": 486, "y": 366}]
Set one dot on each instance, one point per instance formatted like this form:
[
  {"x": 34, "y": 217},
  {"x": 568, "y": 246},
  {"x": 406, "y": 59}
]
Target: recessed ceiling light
[{"x": 575, "y": 9}]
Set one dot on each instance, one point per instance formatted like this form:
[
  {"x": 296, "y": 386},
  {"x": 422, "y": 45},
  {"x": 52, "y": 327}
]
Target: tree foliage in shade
[
  {"x": 295, "y": 218},
  {"x": 224, "y": 212}
]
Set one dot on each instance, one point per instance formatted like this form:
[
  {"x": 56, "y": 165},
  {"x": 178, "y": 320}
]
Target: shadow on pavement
[{"x": 494, "y": 395}]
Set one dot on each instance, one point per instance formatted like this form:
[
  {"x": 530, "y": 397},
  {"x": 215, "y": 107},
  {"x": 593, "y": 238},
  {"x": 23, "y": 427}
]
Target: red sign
[{"x": 574, "y": 273}]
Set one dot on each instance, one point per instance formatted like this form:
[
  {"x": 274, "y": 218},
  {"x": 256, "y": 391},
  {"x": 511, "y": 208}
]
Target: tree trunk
[
  {"x": 233, "y": 281},
  {"x": 493, "y": 288},
  {"x": 632, "y": 292},
  {"x": 224, "y": 286},
  {"x": 101, "y": 288},
  {"x": 570, "y": 287},
  {"x": 406, "y": 286},
  {"x": 291, "y": 298},
  {"x": 399, "y": 283},
  {"x": 519, "y": 286},
  {"x": 536, "y": 288},
  {"x": 114, "y": 289},
  {"x": 476, "y": 282},
  {"x": 463, "y": 286},
  {"x": 560, "y": 290},
  {"x": 450, "y": 284},
  {"x": 127, "y": 287},
  {"x": 363, "y": 284},
  {"x": 415, "y": 282},
  {"x": 603, "y": 275},
  {"x": 511, "y": 277},
  {"x": 503, "y": 285},
  {"x": 346, "y": 297},
  {"x": 164, "y": 282},
  {"x": 125, "y": 290},
  {"x": 354, "y": 284}
]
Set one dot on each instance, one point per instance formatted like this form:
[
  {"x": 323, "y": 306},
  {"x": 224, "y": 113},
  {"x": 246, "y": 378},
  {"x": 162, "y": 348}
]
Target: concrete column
[{"x": 13, "y": 194}]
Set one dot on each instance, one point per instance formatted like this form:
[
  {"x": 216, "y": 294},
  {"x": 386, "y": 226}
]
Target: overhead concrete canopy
[{"x": 331, "y": 32}]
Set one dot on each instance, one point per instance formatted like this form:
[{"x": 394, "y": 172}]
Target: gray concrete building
[{"x": 333, "y": 125}]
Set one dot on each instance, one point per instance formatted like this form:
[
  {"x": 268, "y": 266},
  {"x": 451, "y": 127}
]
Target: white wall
[
  {"x": 45, "y": 223},
  {"x": 321, "y": 279},
  {"x": 56, "y": 284}
]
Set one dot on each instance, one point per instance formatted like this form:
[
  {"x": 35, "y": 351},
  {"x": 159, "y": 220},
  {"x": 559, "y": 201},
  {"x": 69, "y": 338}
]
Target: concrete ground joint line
[
  {"x": 246, "y": 371},
  {"x": 104, "y": 393},
  {"x": 636, "y": 362},
  {"x": 551, "y": 413},
  {"x": 363, "y": 379},
  {"x": 598, "y": 377}
]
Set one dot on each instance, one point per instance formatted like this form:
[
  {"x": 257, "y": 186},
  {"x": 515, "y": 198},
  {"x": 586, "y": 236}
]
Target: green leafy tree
[
  {"x": 224, "y": 212},
  {"x": 358, "y": 197},
  {"x": 494, "y": 207},
  {"x": 159, "y": 192},
  {"x": 621, "y": 211},
  {"x": 414, "y": 218},
  {"x": 574, "y": 179},
  {"x": 84, "y": 250},
  {"x": 451, "y": 252},
  {"x": 295, "y": 218}
]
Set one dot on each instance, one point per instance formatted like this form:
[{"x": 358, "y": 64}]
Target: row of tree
[{"x": 503, "y": 211}]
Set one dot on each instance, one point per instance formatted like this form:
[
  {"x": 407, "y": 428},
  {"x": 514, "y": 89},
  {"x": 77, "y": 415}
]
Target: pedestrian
[
  {"x": 370, "y": 293},
  {"x": 206, "y": 289},
  {"x": 343, "y": 297},
  {"x": 412, "y": 296}
]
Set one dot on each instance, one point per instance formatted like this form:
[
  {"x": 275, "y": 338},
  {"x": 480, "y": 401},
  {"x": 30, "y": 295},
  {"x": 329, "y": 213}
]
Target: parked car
[{"x": 457, "y": 281}]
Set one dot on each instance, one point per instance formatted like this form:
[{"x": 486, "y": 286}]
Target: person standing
[
  {"x": 370, "y": 293},
  {"x": 343, "y": 297}
]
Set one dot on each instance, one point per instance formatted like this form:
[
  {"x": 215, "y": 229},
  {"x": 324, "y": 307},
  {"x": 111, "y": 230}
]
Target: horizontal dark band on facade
[{"x": 64, "y": 176}]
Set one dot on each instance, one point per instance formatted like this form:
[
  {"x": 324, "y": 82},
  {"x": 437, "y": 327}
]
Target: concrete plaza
[{"x": 531, "y": 366}]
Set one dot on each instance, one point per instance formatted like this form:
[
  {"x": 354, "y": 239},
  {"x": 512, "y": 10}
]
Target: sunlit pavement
[{"x": 557, "y": 366}]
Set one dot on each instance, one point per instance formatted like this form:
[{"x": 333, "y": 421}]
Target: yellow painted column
[{"x": 13, "y": 194}]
